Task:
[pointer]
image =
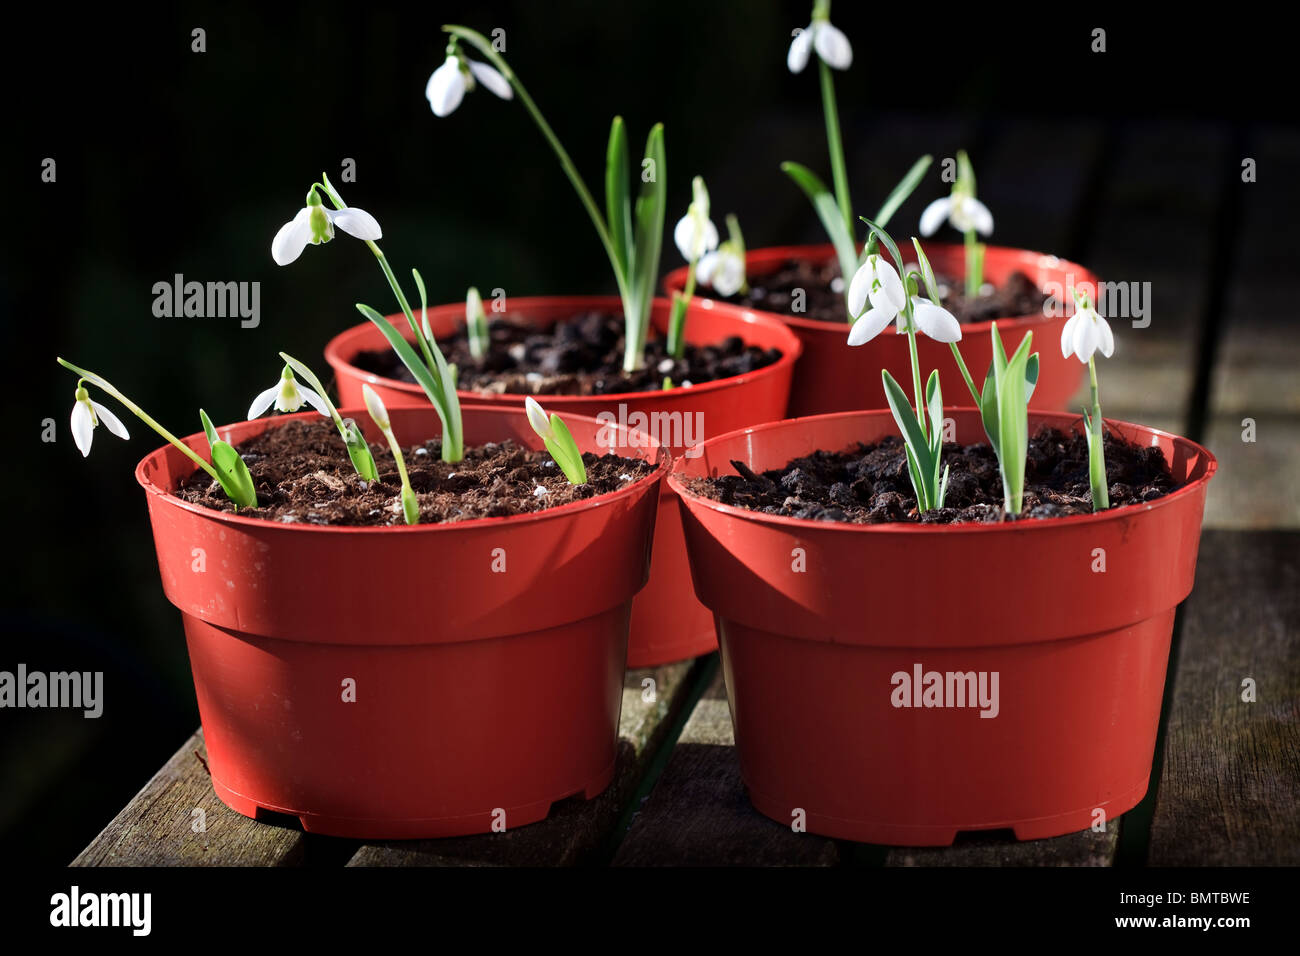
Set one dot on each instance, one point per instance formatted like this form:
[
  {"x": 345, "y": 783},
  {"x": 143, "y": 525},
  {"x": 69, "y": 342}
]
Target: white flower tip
[
  {"x": 833, "y": 46},
  {"x": 357, "y": 222},
  {"x": 537, "y": 417},
  {"x": 375, "y": 406},
  {"x": 800, "y": 47}
]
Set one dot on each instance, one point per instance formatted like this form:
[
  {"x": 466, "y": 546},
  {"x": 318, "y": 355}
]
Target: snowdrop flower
[
  {"x": 695, "y": 234},
  {"x": 723, "y": 270},
  {"x": 1086, "y": 332},
  {"x": 827, "y": 39},
  {"x": 964, "y": 212},
  {"x": 878, "y": 284},
  {"x": 538, "y": 418},
  {"x": 315, "y": 224},
  {"x": 459, "y": 75},
  {"x": 86, "y": 415},
  {"x": 287, "y": 396}
]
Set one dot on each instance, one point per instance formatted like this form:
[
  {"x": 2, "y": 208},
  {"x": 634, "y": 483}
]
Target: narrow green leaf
[
  {"x": 888, "y": 241},
  {"x": 1013, "y": 420},
  {"x": 905, "y": 417},
  {"x": 828, "y": 212},
  {"x": 1031, "y": 376},
  {"x": 906, "y": 186},
  {"x": 943, "y": 488},
  {"x": 917, "y": 475},
  {"x": 651, "y": 206},
  {"x": 565, "y": 451},
  {"x": 232, "y": 473},
  {"x": 927, "y": 273},
  {"x": 208, "y": 428},
  {"x": 989, "y": 409},
  {"x": 618, "y": 204}
]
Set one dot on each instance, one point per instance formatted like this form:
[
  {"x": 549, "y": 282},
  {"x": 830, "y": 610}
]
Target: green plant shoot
[
  {"x": 379, "y": 415},
  {"x": 558, "y": 440}
]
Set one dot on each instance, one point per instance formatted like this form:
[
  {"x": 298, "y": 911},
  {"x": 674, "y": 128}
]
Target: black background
[{"x": 173, "y": 161}]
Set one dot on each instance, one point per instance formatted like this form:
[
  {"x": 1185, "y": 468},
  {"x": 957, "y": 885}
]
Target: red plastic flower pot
[
  {"x": 668, "y": 624},
  {"x": 484, "y": 659},
  {"x": 817, "y": 620},
  {"x": 832, "y": 377}
]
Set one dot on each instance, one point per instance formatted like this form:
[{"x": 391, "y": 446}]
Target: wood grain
[
  {"x": 1230, "y": 788},
  {"x": 156, "y": 827}
]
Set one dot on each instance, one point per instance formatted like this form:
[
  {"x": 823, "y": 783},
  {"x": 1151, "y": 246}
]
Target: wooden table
[{"x": 1160, "y": 203}]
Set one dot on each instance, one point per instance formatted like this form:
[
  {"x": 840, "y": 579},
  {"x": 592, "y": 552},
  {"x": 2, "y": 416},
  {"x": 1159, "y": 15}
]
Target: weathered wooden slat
[
  {"x": 577, "y": 830},
  {"x": 698, "y": 813},
  {"x": 158, "y": 827},
  {"x": 1230, "y": 788},
  {"x": 1075, "y": 849}
]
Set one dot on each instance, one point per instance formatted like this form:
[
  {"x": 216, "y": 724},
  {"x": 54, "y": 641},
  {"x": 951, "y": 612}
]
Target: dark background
[{"x": 172, "y": 161}]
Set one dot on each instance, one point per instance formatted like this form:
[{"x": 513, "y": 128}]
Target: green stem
[
  {"x": 1097, "y": 451},
  {"x": 965, "y": 373},
  {"x": 973, "y": 278},
  {"x": 141, "y": 414},
  {"x": 839, "y": 170},
  {"x": 916, "y": 372},
  {"x": 677, "y": 322},
  {"x": 479, "y": 42}
]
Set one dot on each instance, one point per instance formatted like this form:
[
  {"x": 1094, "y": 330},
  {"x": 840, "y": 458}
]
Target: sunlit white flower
[
  {"x": 457, "y": 76},
  {"x": 964, "y": 212},
  {"x": 87, "y": 414},
  {"x": 695, "y": 234},
  {"x": 315, "y": 224},
  {"x": 287, "y": 396},
  {"x": 877, "y": 283},
  {"x": 375, "y": 406},
  {"x": 538, "y": 418},
  {"x": 1086, "y": 332},
  {"x": 723, "y": 270},
  {"x": 827, "y": 39}
]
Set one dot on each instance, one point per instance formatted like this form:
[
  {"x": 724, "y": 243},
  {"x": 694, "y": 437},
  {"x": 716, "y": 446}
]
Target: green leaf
[
  {"x": 943, "y": 488},
  {"x": 917, "y": 475},
  {"x": 905, "y": 417},
  {"x": 651, "y": 206},
  {"x": 1013, "y": 420},
  {"x": 565, "y": 451},
  {"x": 888, "y": 241},
  {"x": 444, "y": 401},
  {"x": 989, "y": 408},
  {"x": 232, "y": 473},
  {"x": 999, "y": 353},
  {"x": 359, "y": 451},
  {"x": 906, "y": 186},
  {"x": 828, "y": 211},
  {"x": 927, "y": 273},
  {"x": 618, "y": 204},
  {"x": 1031, "y": 376},
  {"x": 410, "y": 505}
]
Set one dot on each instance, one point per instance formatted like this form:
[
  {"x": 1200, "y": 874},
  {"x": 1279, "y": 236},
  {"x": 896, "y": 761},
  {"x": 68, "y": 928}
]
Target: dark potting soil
[
  {"x": 869, "y": 484},
  {"x": 302, "y": 473},
  {"x": 775, "y": 291},
  {"x": 578, "y": 356}
]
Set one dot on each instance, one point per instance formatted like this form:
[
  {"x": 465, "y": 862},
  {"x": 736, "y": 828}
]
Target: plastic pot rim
[
  {"x": 661, "y": 459},
  {"x": 906, "y": 527}
]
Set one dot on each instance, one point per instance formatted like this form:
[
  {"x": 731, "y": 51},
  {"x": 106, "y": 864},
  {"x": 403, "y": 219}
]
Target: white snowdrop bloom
[
  {"x": 722, "y": 270},
  {"x": 877, "y": 283},
  {"x": 1086, "y": 332},
  {"x": 695, "y": 234},
  {"x": 315, "y": 224},
  {"x": 457, "y": 76},
  {"x": 86, "y": 415},
  {"x": 827, "y": 39},
  {"x": 287, "y": 396},
  {"x": 375, "y": 406},
  {"x": 963, "y": 212}
]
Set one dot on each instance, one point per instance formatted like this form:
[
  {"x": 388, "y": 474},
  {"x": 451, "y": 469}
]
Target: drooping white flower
[
  {"x": 1086, "y": 332},
  {"x": 723, "y": 270},
  {"x": 375, "y": 406},
  {"x": 695, "y": 233},
  {"x": 287, "y": 396},
  {"x": 876, "y": 282},
  {"x": 827, "y": 39},
  {"x": 87, "y": 414},
  {"x": 315, "y": 224},
  {"x": 459, "y": 75},
  {"x": 963, "y": 212}
]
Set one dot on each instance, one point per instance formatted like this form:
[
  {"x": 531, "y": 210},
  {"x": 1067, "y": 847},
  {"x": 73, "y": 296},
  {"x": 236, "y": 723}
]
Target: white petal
[
  {"x": 314, "y": 399},
  {"x": 708, "y": 265},
  {"x": 934, "y": 215},
  {"x": 869, "y": 326},
  {"x": 493, "y": 80},
  {"x": 1067, "y": 335},
  {"x": 730, "y": 275},
  {"x": 292, "y": 238},
  {"x": 890, "y": 295},
  {"x": 684, "y": 236},
  {"x": 83, "y": 428},
  {"x": 356, "y": 222},
  {"x": 979, "y": 216},
  {"x": 833, "y": 46},
  {"x": 1085, "y": 338},
  {"x": 263, "y": 401},
  {"x": 111, "y": 421},
  {"x": 446, "y": 88},
  {"x": 375, "y": 406},
  {"x": 859, "y": 288},
  {"x": 800, "y": 47},
  {"x": 1107, "y": 345},
  {"x": 537, "y": 417},
  {"x": 935, "y": 321}
]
